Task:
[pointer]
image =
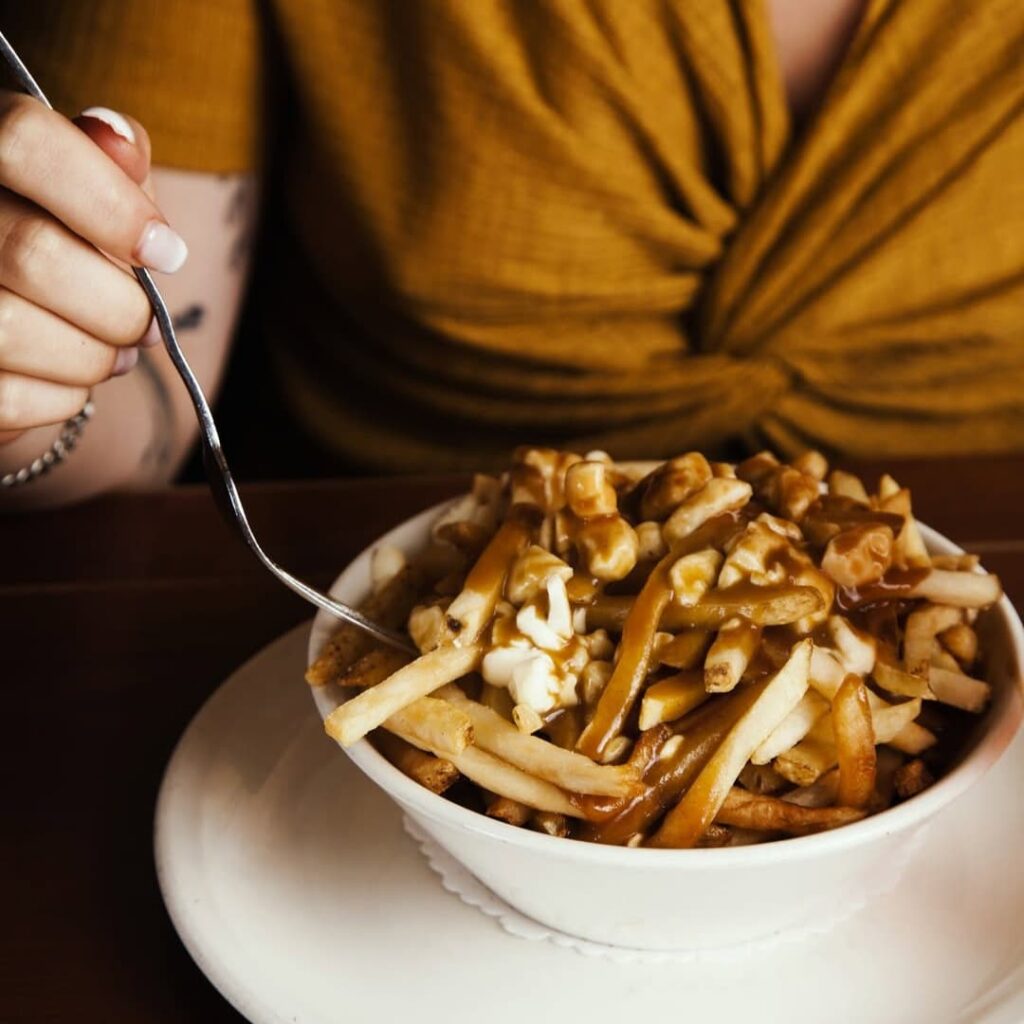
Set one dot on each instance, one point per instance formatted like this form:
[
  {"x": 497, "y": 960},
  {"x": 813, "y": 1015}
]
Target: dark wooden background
[{"x": 119, "y": 618}]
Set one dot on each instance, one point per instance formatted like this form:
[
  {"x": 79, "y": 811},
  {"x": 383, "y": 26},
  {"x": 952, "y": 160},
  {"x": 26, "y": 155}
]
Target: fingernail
[
  {"x": 125, "y": 361},
  {"x": 160, "y": 248},
  {"x": 152, "y": 337},
  {"x": 118, "y": 122}
]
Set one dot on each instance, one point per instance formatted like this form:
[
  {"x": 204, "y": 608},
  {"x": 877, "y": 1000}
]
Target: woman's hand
[{"x": 69, "y": 316}]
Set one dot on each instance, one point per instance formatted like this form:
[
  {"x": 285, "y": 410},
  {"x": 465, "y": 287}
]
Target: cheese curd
[{"x": 539, "y": 661}]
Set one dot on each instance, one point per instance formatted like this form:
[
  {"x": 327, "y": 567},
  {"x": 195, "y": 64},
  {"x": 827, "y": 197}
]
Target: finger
[
  {"x": 42, "y": 261},
  {"x": 46, "y": 159},
  {"x": 35, "y": 343},
  {"x": 121, "y": 137},
  {"x": 26, "y": 402}
]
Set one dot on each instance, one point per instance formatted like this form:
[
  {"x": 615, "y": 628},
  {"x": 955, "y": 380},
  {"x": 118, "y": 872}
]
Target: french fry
[
  {"x": 847, "y": 485},
  {"x": 820, "y": 793},
  {"x": 373, "y": 667},
  {"x": 962, "y": 642},
  {"x": 389, "y": 607},
  {"x": 648, "y": 748},
  {"x": 635, "y": 649},
  {"x": 776, "y": 617},
  {"x": 563, "y": 768},
  {"x": 768, "y": 813},
  {"x": 705, "y": 728},
  {"x": 715, "y": 836},
  {"x": 887, "y": 487},
  {"x": 686, "y": 822},
  {"x": 749, "y": 836},
  {"x": 887, "y": 763},
  {"x": 433, "y": 773},
  {"x": 464, "y": 535},
  {"x": 956, "y": 563},
  {"x": 551, "y": 824},
  {"x": 593, "y": 680},
  {"x": 805, "y": 763},
  {"x": 564, "y": 729},
  {"x": 857, "y": 650},
  {"x": 762, "y": 779},
  {"x": 887, "y": 720},
  {"x": 941, "y": 658},
  {"x": 911, "y": 778},
  {"x": 432, "y": 725},
  {"x": 854, "y": 738},
  {"x": 472, "y": 608},
  {"x": 826, "y": 676},
  {"x": 912, "y": 739},
  {"x": 671, "y": 698},
  {"x": 771, "y": 605},
  {"x": 686, "y": 650},
  {"x": 922, "y": 627},
  {"x": 526, "y": 719},
  {"x": 509, "y": 811},
  {"x": 960, "y": 589},
  {"x": 900, "y": 683},
  {"x": 792, "y": 729},
  {"x": 910, "y": 549},
  {"x": 958, "y": 690},
  {"x": 426, "y": 625},
  {"x": 729, "y": 655},
  {"x": 617, "y": 750},
  {"x": 498, "y": 699},
  {"x": 352, "y": 720},
  {"x": 506, "y": 780}
]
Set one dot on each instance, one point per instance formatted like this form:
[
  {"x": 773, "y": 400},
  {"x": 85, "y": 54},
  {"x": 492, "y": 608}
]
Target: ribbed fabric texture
[
  {"x": 589, "y": 222},
  {"x": 188, "y": 69}
]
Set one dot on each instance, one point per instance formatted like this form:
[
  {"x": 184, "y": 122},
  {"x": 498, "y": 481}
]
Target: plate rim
[{"x": 248, "y": 1000}]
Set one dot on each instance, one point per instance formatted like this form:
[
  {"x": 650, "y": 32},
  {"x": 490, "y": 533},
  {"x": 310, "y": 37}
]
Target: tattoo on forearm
[
  {"x": 158, "y": 453},
  {"x": 190, "y": 318}
]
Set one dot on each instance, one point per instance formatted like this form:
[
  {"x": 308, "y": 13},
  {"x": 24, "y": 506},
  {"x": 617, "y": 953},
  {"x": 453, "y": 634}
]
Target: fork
[{"x": 222, "y": 484}]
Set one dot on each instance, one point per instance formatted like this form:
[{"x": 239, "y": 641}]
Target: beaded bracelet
[{"x": 55, "y": 454}]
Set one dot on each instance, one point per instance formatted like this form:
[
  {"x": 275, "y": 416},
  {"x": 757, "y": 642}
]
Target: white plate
[{"x": 291, "y": 882}]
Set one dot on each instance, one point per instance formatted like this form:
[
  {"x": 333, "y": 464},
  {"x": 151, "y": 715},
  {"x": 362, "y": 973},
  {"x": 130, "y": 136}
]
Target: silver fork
[{"x": 222, "y": 484}]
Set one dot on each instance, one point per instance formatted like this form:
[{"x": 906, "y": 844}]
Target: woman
[{"x": 638, "y": 226}]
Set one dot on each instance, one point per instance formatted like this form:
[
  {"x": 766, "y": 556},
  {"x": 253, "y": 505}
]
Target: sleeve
[{"x": 190, "y": 72}]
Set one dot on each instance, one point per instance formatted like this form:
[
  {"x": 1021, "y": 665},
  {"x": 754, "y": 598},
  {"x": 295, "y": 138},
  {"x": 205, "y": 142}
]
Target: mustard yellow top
[{"x": 591, "y": 222}]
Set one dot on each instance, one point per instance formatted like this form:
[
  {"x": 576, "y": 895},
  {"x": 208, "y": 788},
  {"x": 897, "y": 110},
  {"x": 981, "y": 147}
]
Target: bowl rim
[{"x": 1006, "y": 713}]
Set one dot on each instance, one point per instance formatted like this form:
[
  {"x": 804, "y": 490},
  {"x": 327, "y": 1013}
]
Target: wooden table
[{"x": 119, "y": 619}]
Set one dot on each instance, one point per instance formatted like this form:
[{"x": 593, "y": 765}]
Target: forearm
[
  {"x": 143, "y": 425},
  {"x": 120, "y": 446}
]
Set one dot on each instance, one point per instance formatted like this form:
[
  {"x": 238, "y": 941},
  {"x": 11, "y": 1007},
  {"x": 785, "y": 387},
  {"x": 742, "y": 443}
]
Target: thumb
[{"x": 122, "y": 138}]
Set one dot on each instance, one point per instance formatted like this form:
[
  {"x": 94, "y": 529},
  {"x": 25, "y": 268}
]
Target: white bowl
[{"x": 687, "y": 899}]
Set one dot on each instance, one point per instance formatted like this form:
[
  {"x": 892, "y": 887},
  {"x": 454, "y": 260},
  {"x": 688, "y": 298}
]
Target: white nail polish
[
  {"x": 160, "y": 248},
  {"x": 118, "y": 122}
]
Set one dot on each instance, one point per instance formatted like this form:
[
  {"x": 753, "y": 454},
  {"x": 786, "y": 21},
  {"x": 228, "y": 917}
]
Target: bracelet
[{"x": 55, "y": 454}]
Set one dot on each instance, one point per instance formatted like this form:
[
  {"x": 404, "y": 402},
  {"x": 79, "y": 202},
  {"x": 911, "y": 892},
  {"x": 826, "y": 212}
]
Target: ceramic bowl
[{"x": 690, "y": 899}]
